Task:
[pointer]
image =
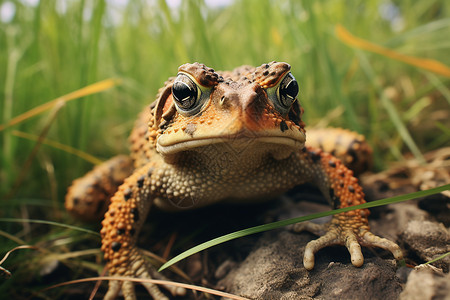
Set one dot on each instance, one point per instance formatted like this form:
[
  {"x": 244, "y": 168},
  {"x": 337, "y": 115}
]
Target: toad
[{"x": 234, "y": 136}]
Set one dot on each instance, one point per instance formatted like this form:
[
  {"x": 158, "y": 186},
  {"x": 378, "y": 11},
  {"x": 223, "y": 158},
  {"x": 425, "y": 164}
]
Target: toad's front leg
[
  {"x": 121, "y": 225},
  {"x": 350, "y": 229}
]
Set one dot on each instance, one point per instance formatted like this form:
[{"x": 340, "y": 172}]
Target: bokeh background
[{"x": 52, "y": 48}]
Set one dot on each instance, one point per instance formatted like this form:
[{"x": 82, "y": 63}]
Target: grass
[{"x": 49, "y": 50}]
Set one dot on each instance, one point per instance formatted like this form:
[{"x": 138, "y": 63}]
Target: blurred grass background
[{"x": 51, "y": 48}]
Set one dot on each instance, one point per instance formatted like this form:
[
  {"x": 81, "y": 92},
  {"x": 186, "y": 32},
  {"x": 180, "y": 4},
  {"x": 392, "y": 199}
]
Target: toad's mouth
[{"x": 239, "y": 142}]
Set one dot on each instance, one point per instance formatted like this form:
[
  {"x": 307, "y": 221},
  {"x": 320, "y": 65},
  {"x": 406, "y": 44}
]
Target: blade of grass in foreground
[
  {"x": 275, "y": 225},
  {"x": 153, "y": 281}
]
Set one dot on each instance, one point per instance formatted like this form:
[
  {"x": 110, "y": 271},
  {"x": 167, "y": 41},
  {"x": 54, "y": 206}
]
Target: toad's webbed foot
[
  {"x": 350, "y": 229},
  {"x": 334, "y": 233}
]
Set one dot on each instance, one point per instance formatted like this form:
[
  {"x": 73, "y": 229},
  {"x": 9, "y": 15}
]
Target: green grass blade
[
  {"x": 437, "y": 258},
  {"x": 278, "y": 224},
  {"x": 391, "y": 110},
  {"x": 440, "y": 86},
  {"x": 10, "y": 220},
  {"x": 401, "y": 127}
]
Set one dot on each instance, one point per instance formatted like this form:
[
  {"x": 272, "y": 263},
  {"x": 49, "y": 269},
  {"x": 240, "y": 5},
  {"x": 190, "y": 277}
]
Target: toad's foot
[
  {"x": 140, "y": 269},
  {"x": 334, "y": 234}
]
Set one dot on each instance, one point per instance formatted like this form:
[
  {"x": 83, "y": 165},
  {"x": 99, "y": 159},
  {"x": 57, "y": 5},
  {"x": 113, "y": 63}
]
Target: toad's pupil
[
  {"x": 182, "y": 92},
  {"x": 291, "y": 89}
]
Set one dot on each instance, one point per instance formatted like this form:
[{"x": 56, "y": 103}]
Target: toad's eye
[
  {"x": 288, "y": 90},
  {"x": 185, "y": 92}
]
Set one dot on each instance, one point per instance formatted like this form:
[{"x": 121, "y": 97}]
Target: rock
[
  {"x": 376, "y": 279},
  {"x": 391, "y": 221},
  {"x": 428, "y": 240},
  {"x": 275, "y": 271},
  {"x": 425, "y": 283},
  {"x": 439, "y": 206}
]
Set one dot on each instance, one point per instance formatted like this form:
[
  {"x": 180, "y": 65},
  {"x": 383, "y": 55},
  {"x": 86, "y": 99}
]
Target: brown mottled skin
[{"x": 225, "y": 136}]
